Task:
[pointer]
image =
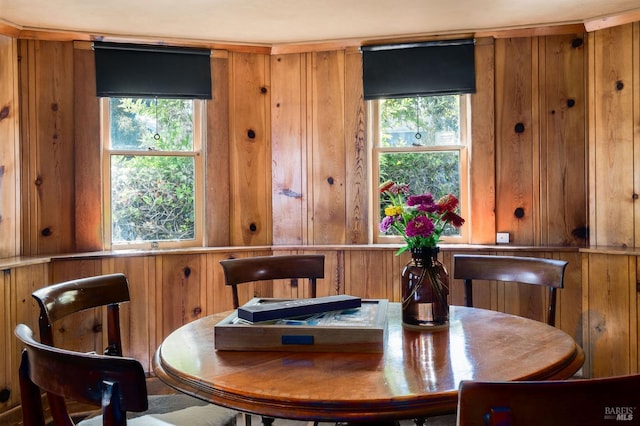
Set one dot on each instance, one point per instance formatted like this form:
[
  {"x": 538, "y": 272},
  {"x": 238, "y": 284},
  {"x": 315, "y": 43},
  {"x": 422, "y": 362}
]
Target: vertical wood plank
[
  {"x": 482, "y": 166},
  {"x": 328, "y": 152},
  {"x": 368, "y": 274},
  {"x": 250, "y": 150},
  {"x": 218, "y": 296},
  {"x": 180, "y": 289},
  {"x": 356, "y": 152},
  {"x": 635, "y": 47},
  {"x": 87, "y": 149},
  {"x": 514, "y": 138},
  {"x": 6, "y": 337},
  {"x": 537, "y": 64},
  {"x": 586, "y": 327},
  {"x": 217, "y": 189},
  {"x": 22, "y": 282},
  {"x": 632, "y": 319},
  {"x": 134, "y": 316},
  {"x": 611, "y": 147},
  {"x": 288, "y": 148},
  {"x": 609, "y": 280},
  {"x": 563, "y": 174},
  {"x": 9, "y": 149},
  {"x": 569, "y": 299},
  {"x": 29, "y": 206}
]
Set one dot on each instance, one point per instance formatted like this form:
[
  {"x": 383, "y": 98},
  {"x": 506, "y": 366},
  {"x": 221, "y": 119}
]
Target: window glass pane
[
  {"x": 152, "y": 198},
  {"x": 419, "y": 141},
  {"x": 151, "y": 124},
  {"x": 423, "y": 121}
]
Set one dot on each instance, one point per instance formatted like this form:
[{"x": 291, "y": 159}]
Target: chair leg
[
  {"x": 267, "y": 421},
  {"x": 246, "y": 419},
  {"x": 419, "y": 422}
]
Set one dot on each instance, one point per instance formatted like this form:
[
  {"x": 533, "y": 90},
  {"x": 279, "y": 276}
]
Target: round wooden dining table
[{"x": 416, "y": 376}]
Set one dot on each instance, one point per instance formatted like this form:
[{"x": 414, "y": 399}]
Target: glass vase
[{"x": 425, "y": 288}]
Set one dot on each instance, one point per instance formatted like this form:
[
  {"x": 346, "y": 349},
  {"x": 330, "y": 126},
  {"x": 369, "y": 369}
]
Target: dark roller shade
[
  {"x": 419, "y": 69},
  {"x": 130, "y": 70}
]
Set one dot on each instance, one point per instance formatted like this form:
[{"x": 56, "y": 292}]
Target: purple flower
[
  {"x": 386, "y": 223},
  {"x": 420, "y": 226},
  {"x": 424, "y": 202},
  {"x": 416, "y": 200}
]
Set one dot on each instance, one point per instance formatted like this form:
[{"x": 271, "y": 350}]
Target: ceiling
[{"x": 272, "y": 22}]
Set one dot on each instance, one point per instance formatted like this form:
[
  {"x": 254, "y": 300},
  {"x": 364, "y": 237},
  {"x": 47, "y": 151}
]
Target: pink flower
[{"x": 420, "y": 226}]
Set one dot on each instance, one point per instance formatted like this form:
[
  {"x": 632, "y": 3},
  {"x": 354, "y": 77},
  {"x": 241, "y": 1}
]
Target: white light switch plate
[{"x": 502, "y": 238}]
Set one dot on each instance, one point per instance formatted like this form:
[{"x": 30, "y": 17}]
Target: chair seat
[{"x": 166, "y": 410}]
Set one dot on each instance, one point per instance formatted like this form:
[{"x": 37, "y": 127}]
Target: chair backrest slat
[
  {"x": 526, "y": 270},
  {"x": 264, "y": 268}
]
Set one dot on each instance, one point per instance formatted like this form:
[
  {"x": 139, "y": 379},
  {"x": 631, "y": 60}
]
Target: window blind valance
[
  {"x": 131, "y": 70},
  {"x": 443, "y": 67}
]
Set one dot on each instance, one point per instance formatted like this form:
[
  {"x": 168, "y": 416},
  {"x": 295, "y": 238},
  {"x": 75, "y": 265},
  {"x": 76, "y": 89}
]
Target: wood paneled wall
[
  {"x": 540, "y": 139},
  {"x": 319, "y": 154},
  {"x": 287, "y": 156}
]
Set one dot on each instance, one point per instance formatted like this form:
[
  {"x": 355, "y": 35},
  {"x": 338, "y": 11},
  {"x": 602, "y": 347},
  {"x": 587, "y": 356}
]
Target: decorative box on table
[{"x": 360, "y": 329}]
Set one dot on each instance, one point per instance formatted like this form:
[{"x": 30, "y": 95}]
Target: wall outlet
[{"x": 502, "y": 238}]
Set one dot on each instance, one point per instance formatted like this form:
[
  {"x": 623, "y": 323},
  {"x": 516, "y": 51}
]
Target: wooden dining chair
[
  {"x": 116, "y": 384},
  {"x": 266, "y": 268},
  {"x": 526, "y": 270},
  {"x": 61, "y": 301},
  {"x": 603, "y": 401}
]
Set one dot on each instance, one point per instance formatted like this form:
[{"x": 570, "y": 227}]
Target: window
[
  {"x": 153, "y": 171},
  {"x": 421, "y": 141}
]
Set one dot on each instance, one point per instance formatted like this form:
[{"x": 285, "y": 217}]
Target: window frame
[
  {"x": 197, "y": 153},
  {"x": 463, "y": 149}
]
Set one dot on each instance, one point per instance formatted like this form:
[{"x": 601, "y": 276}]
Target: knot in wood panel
[
  {"x": 4, "y": 112},
  {"x": 289, "y": 193}
]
